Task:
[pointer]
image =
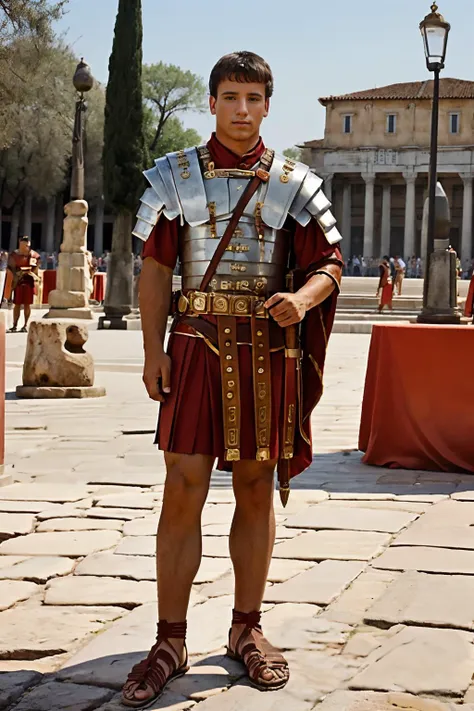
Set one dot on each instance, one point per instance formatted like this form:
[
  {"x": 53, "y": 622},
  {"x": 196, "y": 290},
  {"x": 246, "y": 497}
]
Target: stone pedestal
[
  {"x": 56, "y": 364},
  {"x": 441, "y": 298},
  {"x": 71, "y": 297}
]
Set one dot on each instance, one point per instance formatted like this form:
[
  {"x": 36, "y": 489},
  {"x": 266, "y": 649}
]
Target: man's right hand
[{"x": 157, "y": 376}]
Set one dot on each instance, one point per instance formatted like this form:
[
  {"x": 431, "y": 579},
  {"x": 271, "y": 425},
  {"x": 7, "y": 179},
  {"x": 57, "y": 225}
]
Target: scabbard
[{"x": 290, "y": 405}]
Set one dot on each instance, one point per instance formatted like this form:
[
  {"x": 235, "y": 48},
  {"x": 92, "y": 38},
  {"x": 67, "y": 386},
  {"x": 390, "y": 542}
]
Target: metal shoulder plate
[
  {"x": 286, "y": 178},
  {"x": 311, "y": 202}
]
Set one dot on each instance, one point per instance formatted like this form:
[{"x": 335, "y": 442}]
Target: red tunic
[{"x": 191, "y": 418}]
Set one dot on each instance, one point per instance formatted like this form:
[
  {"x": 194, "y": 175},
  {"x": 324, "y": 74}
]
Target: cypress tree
[{"x": 124, "y": 155}]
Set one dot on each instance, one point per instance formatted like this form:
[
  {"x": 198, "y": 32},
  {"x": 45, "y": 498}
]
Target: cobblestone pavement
[{"x": 370, "y": 593}]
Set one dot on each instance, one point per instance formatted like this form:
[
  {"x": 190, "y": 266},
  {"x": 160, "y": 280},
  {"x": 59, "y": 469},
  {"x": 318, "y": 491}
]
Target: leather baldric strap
[
  {"x": 262, "y": 384},
  {"x": 229, "y": 362},
  {"x": 261, "y": 175}
]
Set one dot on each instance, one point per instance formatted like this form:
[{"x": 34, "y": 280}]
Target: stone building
[{"x": 375, "y": 160}]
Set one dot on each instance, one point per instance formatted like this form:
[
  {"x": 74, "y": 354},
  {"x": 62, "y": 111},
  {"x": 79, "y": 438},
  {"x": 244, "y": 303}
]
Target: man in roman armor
[{"x": 261, "y": 269}]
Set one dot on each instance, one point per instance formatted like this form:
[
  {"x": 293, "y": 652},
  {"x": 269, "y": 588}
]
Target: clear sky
[{"x": 315, "y": 48}]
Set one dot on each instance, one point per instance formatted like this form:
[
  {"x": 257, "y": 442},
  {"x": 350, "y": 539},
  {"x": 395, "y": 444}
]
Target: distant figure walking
[
  {"x": 400, "y": 268},
  {"x": 385, "y": 288},
  {"x": 23, "y": 263}
]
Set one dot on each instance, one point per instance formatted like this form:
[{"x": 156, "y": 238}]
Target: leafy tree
[
  {"x": 174, "y": 136},
  {"x": 293, "y": 153},
  {"x": 167, "y": 91},
  {"x": 124, "y": 153},
  {"x": 24, "y": 17}
]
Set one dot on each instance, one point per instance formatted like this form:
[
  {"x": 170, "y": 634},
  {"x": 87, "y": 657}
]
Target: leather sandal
[
  {"x": 152, "y": 671},
  {"x": 256, "y": 653}
]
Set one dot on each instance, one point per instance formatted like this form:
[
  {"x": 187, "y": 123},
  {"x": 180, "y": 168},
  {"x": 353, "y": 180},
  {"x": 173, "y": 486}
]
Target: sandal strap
[
  {"x": 173, "y": 630},
  {"x": 251, "y": 620}
]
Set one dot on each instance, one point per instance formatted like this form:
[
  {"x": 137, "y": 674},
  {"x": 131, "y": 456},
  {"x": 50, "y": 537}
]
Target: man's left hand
[{"x": 286, "y": 309}]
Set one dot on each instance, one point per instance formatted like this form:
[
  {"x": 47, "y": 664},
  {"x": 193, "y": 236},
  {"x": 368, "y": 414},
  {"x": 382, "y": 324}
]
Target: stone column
[
  {"x": 346, "y": 212},
  {"x": 410, "y": 216},
  {"x": 50, "y": 220},
  {"x": 466, "y": 243},
  {"x": 15, "y": 226},
  {"x": 369, "y": 214},
  {"x": 328, "y": 186},
  {"x": 70, "y": 298},
  {"x": 27, "y": 214},
  {"x": 386, "y": 222},
  {"x": 99, "y": 228}
]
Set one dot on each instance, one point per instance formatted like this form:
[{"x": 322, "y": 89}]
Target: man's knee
[
  {"x": 254, "y": 485},
  {"x": 187, "y": 478}
]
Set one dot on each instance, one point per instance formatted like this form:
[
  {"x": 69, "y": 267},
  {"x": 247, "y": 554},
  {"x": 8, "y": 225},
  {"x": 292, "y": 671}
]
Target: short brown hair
[{"x": 243, "y": 67}]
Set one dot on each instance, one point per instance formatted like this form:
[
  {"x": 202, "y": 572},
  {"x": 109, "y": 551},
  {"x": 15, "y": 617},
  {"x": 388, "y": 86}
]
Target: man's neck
[{"x": 240, "y": 148}]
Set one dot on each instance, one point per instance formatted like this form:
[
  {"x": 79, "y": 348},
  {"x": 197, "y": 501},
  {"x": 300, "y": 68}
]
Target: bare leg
[
  {"x": 252, "y": 537},
  {"x": 16, "y": 314},
  {"x": 178, "y": 543},
  {"x": 27, "y": 313}
]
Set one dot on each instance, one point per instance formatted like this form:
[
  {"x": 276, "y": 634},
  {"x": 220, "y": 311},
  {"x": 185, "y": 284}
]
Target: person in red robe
[
  {"x": 24, "y": 265},
  {"x": 385, "y": 287},
  {"x": 187, "y": 381}
]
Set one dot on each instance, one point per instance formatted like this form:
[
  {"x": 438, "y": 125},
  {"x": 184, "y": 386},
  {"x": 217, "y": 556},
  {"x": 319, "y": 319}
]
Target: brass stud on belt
[
  {"x": 261, "y": 370},
  {"x": 261, "y": 357},
  {"x": 259, "y": 333},
  {"x": 260, "y": 345},
  {"x": 231, "y": 383},
  {"x": 228, "y": 357},
  {"x": 226, "y": 330},
  {"x": 229, "y": 369},
  {"x": 228, "y": 344},
  {"x": 230, "y": 396}
]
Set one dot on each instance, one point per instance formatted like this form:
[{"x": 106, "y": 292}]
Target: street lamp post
[{"x": 439, "y": 297}]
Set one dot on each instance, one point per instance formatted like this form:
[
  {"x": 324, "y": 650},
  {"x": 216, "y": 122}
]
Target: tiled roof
[
  {"x": 318, "y": 143},
  {"x": 449, "y": 89}
]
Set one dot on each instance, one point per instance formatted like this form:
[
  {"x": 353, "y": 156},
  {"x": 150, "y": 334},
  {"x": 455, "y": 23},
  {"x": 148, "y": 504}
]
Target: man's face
[
  {"x": 239, "y": 109},
  {"x": 24, "y": 247}
]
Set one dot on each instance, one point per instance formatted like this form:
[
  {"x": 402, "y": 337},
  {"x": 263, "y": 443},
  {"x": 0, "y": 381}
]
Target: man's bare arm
[{"x": 155, "y": 288}]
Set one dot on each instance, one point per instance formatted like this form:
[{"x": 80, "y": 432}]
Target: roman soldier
[
  {"x": 257, "y": 244},
  {"x": 23, "y": 264}
]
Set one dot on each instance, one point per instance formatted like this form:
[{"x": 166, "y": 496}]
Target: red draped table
[
  {"x": 49, "y": 283},
  {"x": 418, "y": 407},
  {"x": 469, "y": 307},
  {"x": 2, "y": 391},
  {"x": 99, "y": 285}
]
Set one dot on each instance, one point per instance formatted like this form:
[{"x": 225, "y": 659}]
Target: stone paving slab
[
  {"x": 384, "y": 504},
  {"x": 352, "y": 604},
  {"x": 46, "y": 631},
  {"x": 121, "y": 566},
  {"x": 21, "y": 506},
  {"x": 351, "y": 519},
  {"x": 52, "y": 511},
  {"x": 298, "y": 627},
  {"x": 141, "y": 526},
  {"x": 6, "y": 561},
  {"x": 88, "y": 590},
  {"x": 13, "y": 591},
  {"x": 38, "y": 569},
  {"x": 15, "y": 524},
  {"x": 79, "y": 524},
  {"x": 168, "y": 700},
  {"x": 425, "y": 559},
  {"x": 137, "y": 546},
  {"x": 59, "y": 493},
  {"x": 335, "y": 545},
  {"x": 319, "y": 585},
  {"x": 211, "y": 569},
  {"x": 115, "y": 475},
  {"x": 122, "y": 514},
  {"x": 127, "y": 501},
  {"x": 14, "y": 684},
  {"x": 55, "y": 696},
  {"x": 69, "y": 543},
  {"x": 428, "y": 600},
  {"x": 241, "y": 697},
  {"x": 373, "y": 701},
  {"x": 420, "y": 661}
]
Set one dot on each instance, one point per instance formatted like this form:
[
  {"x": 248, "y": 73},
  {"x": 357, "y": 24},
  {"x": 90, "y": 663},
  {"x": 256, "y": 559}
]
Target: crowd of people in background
[
  {"x": 357, "y": 265},
  {"x": 49, "y": 260}
]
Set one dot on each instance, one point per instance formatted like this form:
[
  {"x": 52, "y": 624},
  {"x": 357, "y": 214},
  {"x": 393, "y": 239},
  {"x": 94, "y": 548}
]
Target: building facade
[{"x": 375, "y": 161}]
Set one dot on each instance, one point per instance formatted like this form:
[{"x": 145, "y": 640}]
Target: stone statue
[{"x": 56, "y": 363}]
